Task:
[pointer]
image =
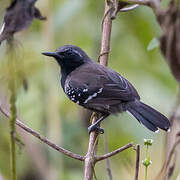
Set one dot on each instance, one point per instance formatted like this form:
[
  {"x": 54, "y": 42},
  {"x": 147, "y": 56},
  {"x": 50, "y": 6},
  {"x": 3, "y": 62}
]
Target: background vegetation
[{"x": 45, "y": 108}]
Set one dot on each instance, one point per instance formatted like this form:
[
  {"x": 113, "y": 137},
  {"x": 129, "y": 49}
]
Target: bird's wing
[{"x": 94, "y": 84}]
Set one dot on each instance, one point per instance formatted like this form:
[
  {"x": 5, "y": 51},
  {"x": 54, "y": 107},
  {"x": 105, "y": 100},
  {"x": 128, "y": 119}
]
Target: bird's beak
[{"x": 51, "y": 54}]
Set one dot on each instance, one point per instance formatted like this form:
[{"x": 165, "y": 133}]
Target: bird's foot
[{"x": 95, "y": 127}]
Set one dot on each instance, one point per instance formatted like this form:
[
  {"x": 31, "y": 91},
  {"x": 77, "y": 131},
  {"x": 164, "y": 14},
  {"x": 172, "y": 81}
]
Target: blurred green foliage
[{"x": 45, "y": 108}]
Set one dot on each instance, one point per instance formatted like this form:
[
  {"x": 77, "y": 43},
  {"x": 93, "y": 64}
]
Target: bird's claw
[{"x": 95, "y": 127}]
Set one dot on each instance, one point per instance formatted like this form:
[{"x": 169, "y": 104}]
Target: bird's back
[{"x": 101, "y": 88}]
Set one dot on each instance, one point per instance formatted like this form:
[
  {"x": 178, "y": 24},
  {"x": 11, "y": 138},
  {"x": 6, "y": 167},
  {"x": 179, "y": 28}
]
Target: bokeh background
[{"x": 46, "y": 109}]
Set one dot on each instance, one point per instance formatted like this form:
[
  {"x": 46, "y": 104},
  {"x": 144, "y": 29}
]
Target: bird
[
  {"x": 102, "y": 90},
  {"x": 18, "y": 16}
]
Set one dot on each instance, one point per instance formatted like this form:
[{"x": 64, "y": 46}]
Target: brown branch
[
  {"x": 105, "y": 156},
  {"x": 172, "y": 167},
  {"x": 171, "y": 137},
  {"x": 43, "y": 139},
  {"x": 89, "y": 158},
  {"x": 106, "y": 35},
  {"x": 172, "y": 152},
  {"x": 129, "y": 8},
  {"x": 168, "y": 160},
  {"x": 154, "y": 4},
  {"x": 107, "y": 160},
  {"x": 137, "y": 161},
  {"x": 103, "y": 59}
]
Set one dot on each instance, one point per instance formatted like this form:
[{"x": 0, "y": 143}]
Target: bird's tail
[{"x": 148, "y": 116}]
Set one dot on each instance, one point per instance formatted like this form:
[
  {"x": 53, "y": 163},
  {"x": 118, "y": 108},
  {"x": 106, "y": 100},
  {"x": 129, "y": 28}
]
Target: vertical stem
[
  {"x": 146, "y": 168},
  {"x": 104, "y": 53},
  {"x": 107, "y": 160},
  {"x": 13, "y": 131},
  {"x": 106, "y": 35},
  {"x": 137, "y": 161},
  {"x": 12, "y": 120},
  {"x": 89, "y": 160},
  {"x": 146, "y": 151}
]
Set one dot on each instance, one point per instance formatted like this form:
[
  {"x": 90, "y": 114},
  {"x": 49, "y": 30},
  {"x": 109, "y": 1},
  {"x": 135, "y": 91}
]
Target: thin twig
[
  {"x": 172, "y": 152},
  {"x": 12, "y": 101},
  {"x": 137, "y": 161},
  {"x": 107, "y": 160},
  {"x": 106, "y": 35},
  {"x": 171, "y": 137},
  {"x": 42, "y": 138},
  {"x": 130, "y": 8},
  {"x": 172, "y": 167},
  {"x": 154, "y": 4},
  {"x": 107, "y": 12},
  {"x": 105, "y": 156},
  {"x": 168, "y": 160},
  {"x": 89, "y": 158},
  {"x": 102, "y": 55},
  {"x": 105, "y": 47}
]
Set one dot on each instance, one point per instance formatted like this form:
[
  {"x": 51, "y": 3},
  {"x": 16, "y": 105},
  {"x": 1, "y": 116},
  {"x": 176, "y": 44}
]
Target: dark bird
[
  {"x": 18, "y": 16},
  {"x": 102, "y": 90}
]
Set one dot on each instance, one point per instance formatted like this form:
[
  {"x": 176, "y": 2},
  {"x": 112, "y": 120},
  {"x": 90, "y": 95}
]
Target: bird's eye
[
  {"x": 67, "y": 53},
  {"x": 63, "y": 53},
  {"x": 71, "y": 53}
]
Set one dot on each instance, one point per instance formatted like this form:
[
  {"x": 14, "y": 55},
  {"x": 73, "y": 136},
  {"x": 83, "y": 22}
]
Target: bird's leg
[{"x": 96, "y": 125}]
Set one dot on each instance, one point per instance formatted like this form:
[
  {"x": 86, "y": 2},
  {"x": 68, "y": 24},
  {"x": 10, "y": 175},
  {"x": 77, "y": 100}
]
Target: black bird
[
  {"x": 18, "y": 16},
  {"x": 102, "y": 90}
]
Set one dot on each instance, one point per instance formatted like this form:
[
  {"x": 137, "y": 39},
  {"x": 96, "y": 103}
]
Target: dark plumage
[
  {"x": 18, "y": 16},
  {"x": 101, "y": 89}
]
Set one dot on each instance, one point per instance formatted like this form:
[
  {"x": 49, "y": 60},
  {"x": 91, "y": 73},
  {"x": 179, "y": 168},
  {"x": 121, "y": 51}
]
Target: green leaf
[
  {"x": 148, "y": 142},
  {"x": 146, "y": 162},
  {"x": 154, "y": 43}
]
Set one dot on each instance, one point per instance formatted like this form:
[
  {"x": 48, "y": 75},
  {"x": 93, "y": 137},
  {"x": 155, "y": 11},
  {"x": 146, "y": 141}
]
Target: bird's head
[{"x": 69, "y": 57}]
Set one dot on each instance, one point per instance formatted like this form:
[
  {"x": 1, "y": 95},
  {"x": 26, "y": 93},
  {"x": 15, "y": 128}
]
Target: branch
[
  {"x": 100, "y": 158},
  {"x": 12, "y": 73},
  {"x": 129, "y": 8},
  {"x": 154, "y": 4},
  {"x": 137, "y": 161},
  {"x": 89, "y": 158},
  {"x": 43, "y": 139},
  {"x": 108, "y": 167},
  {"x": 106, "y": 35},
  {"x": 103, "y": 59},
  {"x": 172, "y": 167},
  {"x": 172, "y": 152},
  {"x": 168, "y": 160}
]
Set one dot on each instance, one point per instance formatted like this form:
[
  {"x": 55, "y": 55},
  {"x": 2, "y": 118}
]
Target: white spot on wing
[
  {"x": 90, "y": 97},
  {"x": 94, "y": 95},
  {"x": 100, "y": 90},
  {"x": 85, "y": 90}
]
